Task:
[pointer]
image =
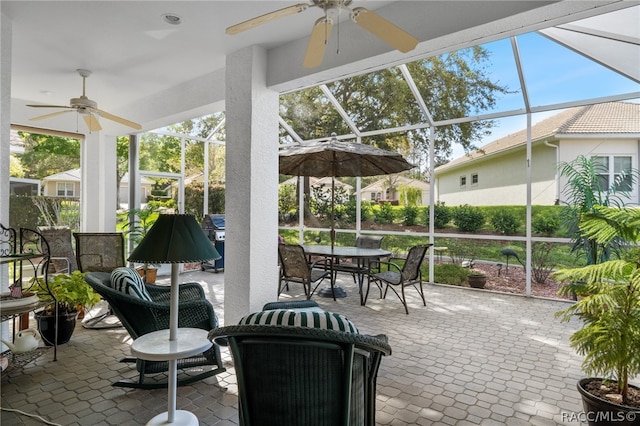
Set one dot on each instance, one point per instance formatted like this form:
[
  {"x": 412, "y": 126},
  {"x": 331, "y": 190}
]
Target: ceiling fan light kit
[
  {"x": 87, "y": 108},
  {"x": 385, "y": 30}
]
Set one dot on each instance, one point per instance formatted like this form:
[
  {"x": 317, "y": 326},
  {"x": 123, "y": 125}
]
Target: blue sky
[{"x": 553, "y": 74}]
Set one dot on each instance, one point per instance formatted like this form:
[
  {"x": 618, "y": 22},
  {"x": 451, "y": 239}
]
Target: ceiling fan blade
[
  {"x": 92, "y": 122},
  {"x": 49, "y": 106},
  {"x": 117, "y": 119},
  {"x": 280, "y": 13},
  {"x": 317, "y": 42},
  {"x": 53, "y": 114},
  {"x": 383, "y": 29}
]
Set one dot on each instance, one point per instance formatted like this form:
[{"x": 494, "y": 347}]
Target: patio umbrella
[{"x": 338, "y": 159}]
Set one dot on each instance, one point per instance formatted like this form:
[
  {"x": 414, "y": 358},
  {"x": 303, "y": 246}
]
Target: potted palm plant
[
  {"x": 140, "y": 221},
  {"x": 609, "y": 309},
  {"x": 72, "y": 293}
]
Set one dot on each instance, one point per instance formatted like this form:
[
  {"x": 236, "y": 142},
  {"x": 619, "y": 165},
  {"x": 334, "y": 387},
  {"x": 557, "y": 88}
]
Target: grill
[{"x": 213, "y": 225}]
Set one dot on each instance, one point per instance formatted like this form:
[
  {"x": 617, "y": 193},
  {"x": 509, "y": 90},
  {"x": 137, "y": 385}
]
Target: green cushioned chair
[
  {"x": 291, "y": 376},
  {"x": 140, "y": 317}
]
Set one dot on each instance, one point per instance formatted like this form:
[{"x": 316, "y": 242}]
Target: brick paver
[{"x": 468, "y": 357}]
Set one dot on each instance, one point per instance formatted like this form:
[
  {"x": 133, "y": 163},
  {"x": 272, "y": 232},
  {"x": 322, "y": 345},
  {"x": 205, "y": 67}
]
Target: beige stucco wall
[
  {"x": 501, "y": 180},
  {"x": 572, "y": 148}
]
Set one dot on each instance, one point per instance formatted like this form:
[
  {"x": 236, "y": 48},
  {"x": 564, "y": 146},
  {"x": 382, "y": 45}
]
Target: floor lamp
[{"x": 173, "y": 239}]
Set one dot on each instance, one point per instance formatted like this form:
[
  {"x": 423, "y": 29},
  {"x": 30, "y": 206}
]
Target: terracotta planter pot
[
  {"x": 149, "y": 276},
  {"x": 600, "y": 412},
  {"x": 477, "y": 281}
]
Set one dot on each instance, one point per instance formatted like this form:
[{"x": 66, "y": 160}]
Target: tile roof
[{"x": 610, "y": 118}]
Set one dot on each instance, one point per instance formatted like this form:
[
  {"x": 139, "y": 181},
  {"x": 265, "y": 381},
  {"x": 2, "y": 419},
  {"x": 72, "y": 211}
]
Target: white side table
[{"x": 156, "y": 346}]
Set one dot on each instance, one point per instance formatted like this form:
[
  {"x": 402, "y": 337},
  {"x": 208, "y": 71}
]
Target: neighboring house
[
  {"x": 390, "y": 187},
  {"x": 497, "y": 174},
  {"x": 67, "y": 184}
]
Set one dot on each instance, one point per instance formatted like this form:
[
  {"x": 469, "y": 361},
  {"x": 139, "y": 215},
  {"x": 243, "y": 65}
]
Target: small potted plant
[
  {"x": 72, "y": 294},
  {"x": 138, "y": 226},
  {"x": 609, "y": 308},
  {"x": 476, "y": 278}
]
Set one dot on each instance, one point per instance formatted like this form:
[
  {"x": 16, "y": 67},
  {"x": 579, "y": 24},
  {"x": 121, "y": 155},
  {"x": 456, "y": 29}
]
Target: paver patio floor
[{"x": 468, "y": 357}]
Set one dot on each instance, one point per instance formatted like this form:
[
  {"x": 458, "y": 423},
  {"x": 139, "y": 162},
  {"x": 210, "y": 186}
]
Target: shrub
[
  {"x": 409, "y": 215},
  {"x": 384, "y": 214},
  {"x": 545, "y": 223},
  {"x": 541, "y": 261},
  {"x": 468, "y": 218},
  {"x": 441, "y": 215},
  {"x": 505, "y": 222},
  {"x": 449, "y": 273}
]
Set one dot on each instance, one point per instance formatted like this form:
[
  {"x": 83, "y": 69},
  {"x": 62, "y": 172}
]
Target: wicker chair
[
  {"x": 395, "y": 276},
  {"x": 303, "y": 376},
  {"x": 294, "y": 267},
  {"x": 140, "y": 317}
]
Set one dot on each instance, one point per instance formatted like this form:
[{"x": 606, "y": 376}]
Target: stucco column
[
  {"x": 251, "y": 266},
  {"x": 98, "y": 195},
  {"x": 5, "y": 130}
]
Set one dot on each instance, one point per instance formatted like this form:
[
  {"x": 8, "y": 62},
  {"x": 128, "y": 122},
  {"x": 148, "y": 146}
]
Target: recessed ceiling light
[
  {"x": 46, "y": 92},
  {"x": 172, "y": 18}
]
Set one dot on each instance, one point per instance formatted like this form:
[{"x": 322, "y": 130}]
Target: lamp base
[{"x": 181, "y": 417}]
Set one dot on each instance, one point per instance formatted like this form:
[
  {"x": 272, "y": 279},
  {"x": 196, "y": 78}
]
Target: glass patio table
[{"x": 359, "y": 254}]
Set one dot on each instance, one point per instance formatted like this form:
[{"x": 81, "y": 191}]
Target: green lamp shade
[{"x": 174, "y": 238}]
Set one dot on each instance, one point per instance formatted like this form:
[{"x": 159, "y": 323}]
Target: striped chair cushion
[
  {"x": 306, "y": 318},
  {"x": 128, "y": 281}
]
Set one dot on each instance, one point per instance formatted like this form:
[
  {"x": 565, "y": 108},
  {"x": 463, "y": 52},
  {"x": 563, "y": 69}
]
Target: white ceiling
[{"x": 157, "y": 74}]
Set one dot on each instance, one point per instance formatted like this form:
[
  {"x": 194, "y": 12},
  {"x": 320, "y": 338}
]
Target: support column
[
  {"x": 98, "y": 195},
  {"x": 5, "y": 130},
  {"x": 251, "y": 265}
]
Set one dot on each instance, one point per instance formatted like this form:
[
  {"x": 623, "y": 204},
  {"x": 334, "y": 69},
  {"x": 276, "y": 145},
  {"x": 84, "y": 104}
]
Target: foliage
[
  {"x": 15, "y": 167},
  {"x": 45, "y": 155},
  {"x": 409, "y": 196},
  {"x": 542, "y": 261},
  {"x": 545, "y": 224},
  {"x": 610, "y": 307},
  {"x": 441, "y": 214},
  {"x": 321, "y": 201},
  {"x": 468, "y": 218},
  {"x": 22, "y": 212},
  {"x": 58, "y": 211},
  {"x": 287, "y": 199},
  {"x": 409, "y": 215},
  {"x": 450, "y": 273},
  {"x": 140, "y": 222},
  {"x": 456, "y": 83},
  {"x": 70, "y": 290},
  {"x": 384, "y": 214},
  {"x": 584, "y": 191},
  {"x": 194, "y": 196},
  {"x": 505, "y": 222},
  {"x": 463, "y": 251}
]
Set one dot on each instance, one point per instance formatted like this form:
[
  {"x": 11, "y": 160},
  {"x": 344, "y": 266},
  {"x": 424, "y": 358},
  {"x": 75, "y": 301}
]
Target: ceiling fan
[
  {"x": 370, "y": 21},
  {"x": 87, "y": 108}
]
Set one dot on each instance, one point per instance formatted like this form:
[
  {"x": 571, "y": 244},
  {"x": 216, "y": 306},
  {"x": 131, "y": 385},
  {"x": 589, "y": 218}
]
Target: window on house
[
  {"x": 373, "y": 196},
  {"x": 65, "y": 189},
  {"x": 463, "y": 181},
  {"x": 474, "y": 179},
  {"x": 611, "y": 168}
]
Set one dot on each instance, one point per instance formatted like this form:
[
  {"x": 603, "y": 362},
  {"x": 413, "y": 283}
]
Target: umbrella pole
[{"x": 333, "y": 228}]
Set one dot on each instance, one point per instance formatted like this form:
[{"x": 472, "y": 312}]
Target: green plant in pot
[
  {"x": 609, "y": 308},
  {"x": 140, "y": 222},
  {"x": 476, "y": 278},
  {"x": 72, "y": 294}
]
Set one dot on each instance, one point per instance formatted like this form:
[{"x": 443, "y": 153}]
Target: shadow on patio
[{"x": 468, "y": 357}]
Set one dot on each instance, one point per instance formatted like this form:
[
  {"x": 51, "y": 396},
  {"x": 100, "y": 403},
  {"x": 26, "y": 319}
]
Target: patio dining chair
[
  {"x": 361, "y": 265},
  {"x": 295, "y": 267},
  {"x": 62, "y": 259},
  {"x": 409, "y": 274}
]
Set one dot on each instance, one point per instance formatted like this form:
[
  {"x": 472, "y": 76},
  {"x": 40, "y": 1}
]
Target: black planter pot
[
  {"x": 600, "y": 412},
  {"x": 47, "y": 327}
]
